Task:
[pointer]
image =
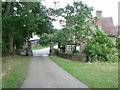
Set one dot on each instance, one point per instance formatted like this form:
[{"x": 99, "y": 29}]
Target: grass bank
[
  {"x": 14, "y": 70},
  {"x": 38, "y": 47},
  {"x": 95, "y": 75}
]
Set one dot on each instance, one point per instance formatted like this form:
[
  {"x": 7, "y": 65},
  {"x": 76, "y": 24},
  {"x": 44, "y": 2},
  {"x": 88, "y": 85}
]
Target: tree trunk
[
  {"x": 29, "y": 51},
  {"x": 7, "y": 11},
  {"x": 75, "y": 47},
  {"x": 59, "y": 45},
  {"x": 17, "y": 48},
  {"x": 9, "y": 33},
  {"x": 87, "y": 58},
  {"x": 10, "y": 43}
]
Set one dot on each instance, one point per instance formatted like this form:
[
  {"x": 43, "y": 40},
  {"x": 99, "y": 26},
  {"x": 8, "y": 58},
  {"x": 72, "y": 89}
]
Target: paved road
[
  {"x": 44, "y": 73},
  {"x": 41, "y": 52}
]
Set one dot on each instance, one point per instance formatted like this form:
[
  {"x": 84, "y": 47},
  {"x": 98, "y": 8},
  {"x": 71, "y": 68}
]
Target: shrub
[
  {"x": 75, "y": 51},
  {"x": 112, "y": 57},
  {"x": 100, "y": 47},
  {"x": 44, "y": 39}
]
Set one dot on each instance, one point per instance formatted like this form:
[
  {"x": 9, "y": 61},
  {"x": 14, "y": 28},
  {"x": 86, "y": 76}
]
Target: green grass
[
  {"x": 14, "y": 70},
  {"x": 38, "y": 47},
  {"x": 94, "y": 75}
]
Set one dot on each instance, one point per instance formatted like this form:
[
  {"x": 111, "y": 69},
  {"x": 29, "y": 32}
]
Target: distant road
[{"x": 42, "y": 52}]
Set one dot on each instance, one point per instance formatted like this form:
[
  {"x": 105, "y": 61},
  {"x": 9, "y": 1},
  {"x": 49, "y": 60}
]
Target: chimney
[{"x": 99, "y": 14}]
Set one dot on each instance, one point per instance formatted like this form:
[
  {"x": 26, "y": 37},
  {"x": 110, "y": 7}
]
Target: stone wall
[
  {"x": 73, "y": 57},
  {"x": 78, "y": 57}
]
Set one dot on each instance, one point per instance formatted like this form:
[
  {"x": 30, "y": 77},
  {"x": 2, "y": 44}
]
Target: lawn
[
  {"x": 38, "y": 47},
  {"x": 94, "y": 75},
  {"x": 14, "y": 70}
]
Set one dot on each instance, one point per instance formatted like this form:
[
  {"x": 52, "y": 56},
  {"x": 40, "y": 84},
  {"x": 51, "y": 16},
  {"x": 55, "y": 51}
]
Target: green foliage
[
  {"x": 77, "y": 22},
  {"x": 112, "y": 57},
  {"x": 117, "y": 41},
  {"x": 99, "y": 47},
  {"x": 75, "y": 51},
  {"x": 23, "y": 19},
  {"x": 4, "y": 47},
  {"x": 63, "y": 36},
  {"x": 44, "y": 39}
]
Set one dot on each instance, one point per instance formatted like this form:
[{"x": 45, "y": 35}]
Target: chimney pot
[{"x": 99, "y": 14}]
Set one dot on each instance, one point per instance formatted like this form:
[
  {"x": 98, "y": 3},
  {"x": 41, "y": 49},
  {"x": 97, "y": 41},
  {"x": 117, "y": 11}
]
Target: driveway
[
  {"x": 44, "y": 73},
  {"x": 42, "y": 52}
]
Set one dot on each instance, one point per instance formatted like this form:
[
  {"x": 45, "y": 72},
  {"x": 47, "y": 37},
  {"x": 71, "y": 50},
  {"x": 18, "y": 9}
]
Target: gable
[{"x": 107, "y": 26}]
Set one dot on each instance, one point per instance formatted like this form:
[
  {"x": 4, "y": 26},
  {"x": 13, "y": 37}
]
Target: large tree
[
  {"x": 5, "y": 14},
  {"x": 20, "y": 20},
  {"x": 77, "y": 22}
]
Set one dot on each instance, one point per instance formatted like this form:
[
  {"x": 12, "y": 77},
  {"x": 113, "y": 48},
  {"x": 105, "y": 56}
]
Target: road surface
[{"x": 44, "y": 73}]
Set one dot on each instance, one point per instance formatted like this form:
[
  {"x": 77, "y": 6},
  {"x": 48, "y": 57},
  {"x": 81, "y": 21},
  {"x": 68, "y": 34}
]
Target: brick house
[{"x": 107, "y": 26}]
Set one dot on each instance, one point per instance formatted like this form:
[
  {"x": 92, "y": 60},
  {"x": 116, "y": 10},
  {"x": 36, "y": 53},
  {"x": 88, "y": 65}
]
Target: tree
[
  {"x": 77, "y": 21},
  {"x": 43, "y": 22},
  {"x": 20, "y": 22},
  {"x": 99, "y": 47},
  {"x": 23, "y": 19},
  {"x": 6, "y": 13}
]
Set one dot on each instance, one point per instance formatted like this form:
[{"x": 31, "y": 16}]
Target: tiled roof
[{"x": 107, "y": 25}]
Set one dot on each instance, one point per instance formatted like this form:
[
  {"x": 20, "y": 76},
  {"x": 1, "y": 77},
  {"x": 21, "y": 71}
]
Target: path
[{"x": 44, "y": 73}]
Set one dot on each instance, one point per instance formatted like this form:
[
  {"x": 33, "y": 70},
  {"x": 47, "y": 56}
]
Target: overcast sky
[{"x": 109, "y": 8}]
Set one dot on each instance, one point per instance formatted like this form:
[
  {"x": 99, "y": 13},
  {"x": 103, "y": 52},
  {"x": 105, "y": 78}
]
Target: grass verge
[
  {"x": 95, "y": 75},
  {"x": 14, "y": 70},
  {"x": 38, "y": 47}
]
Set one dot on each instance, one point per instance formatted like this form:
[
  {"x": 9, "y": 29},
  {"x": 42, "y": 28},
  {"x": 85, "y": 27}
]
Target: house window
[{"x": 68, "y": 47}]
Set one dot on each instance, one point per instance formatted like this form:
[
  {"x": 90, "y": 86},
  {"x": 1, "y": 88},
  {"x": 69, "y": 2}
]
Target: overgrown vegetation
[
  {"x": 45, "y": 39},
  {"x": 77, "y": 22},
  {"x": 14, "y": 70},
  {"x": 95, "y": 75},
  {"x": 19, "y": 21},
  {"x": 79, "y": 28},
  {"x": 100, "y": 47},
  {"x": 117, "y": 40}
]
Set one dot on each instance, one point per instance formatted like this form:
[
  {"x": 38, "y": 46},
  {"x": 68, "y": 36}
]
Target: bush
[
  {"x": 44, "y": 39},
  {"x": 112, "y": 58},
  {"x": 100, "y": 47},
  {"x": 117, "y": 41},
  {"x": 75, "y": 51}
]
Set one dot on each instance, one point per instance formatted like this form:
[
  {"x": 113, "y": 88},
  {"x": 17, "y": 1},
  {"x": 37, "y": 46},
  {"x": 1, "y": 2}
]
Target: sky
[{"x": 109, "y": 8}]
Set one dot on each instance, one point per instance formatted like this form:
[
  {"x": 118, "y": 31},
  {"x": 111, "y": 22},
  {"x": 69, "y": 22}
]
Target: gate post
[{"x": 51, "y": 47}]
